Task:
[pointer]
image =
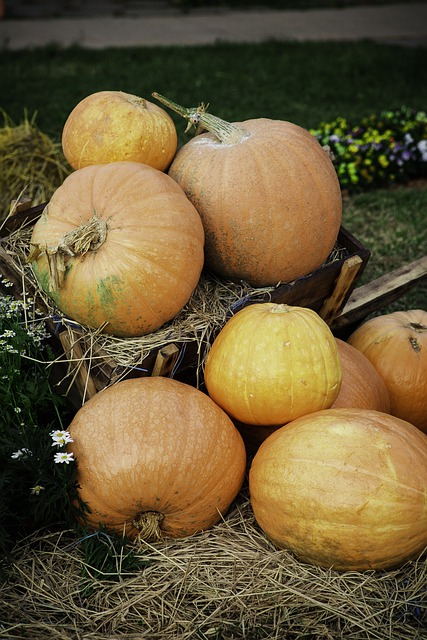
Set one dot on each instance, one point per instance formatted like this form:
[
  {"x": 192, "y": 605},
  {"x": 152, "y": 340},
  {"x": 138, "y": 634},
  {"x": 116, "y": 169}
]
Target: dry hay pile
[
  {"x": 32, "y": 166},
  {"x": 226, "y": 583}
]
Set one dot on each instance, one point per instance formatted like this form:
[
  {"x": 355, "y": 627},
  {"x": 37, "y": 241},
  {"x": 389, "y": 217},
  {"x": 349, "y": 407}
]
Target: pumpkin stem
[
  {"x": 280, "y": 308},
  {"x": 136, "y": 100},
  {"x": 226, "y": 132},
  {"x": 77, "y": 242},
  {"x": 148, "y": 525}
]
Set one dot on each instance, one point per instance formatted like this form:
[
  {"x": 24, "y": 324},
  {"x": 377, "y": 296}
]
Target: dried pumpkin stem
[
  {"x": 226, "y": 132},
  {"x": 136, "y": 100},
  {"x": 148, "y": 525},
  {"x": 87, "y": 237}
]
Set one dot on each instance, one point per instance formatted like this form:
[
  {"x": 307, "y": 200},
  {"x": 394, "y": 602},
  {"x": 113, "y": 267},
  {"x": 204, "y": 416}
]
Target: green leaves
[{"x": 34, "y": 490}]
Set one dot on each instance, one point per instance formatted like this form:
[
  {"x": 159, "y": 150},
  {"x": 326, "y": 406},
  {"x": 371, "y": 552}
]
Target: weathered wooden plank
[
  {"x": 379, "y": 293},
  {"x": 334, "y": 303},
  {"x": 165, "y": 360}
]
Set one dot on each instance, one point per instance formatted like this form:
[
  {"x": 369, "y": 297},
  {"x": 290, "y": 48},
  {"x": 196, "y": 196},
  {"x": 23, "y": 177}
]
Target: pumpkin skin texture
[
  {"x": 343, "y": 488},
  {"x": 145, "y": 253},
  {"x": 113, "y": 126},
  {"x": 396, "y": 345},
  {"x": 362, "y": 387},
  {"x": 268, "y": 196},
  {"x": 155, "y": 449},
  {"x": 272, "y": 363}
]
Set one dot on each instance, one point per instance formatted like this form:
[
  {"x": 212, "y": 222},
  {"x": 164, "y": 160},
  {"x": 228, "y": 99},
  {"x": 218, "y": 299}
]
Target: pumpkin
[
  {"x": 113, "y": 126},
  {"x": 362, "y": 387},
  {"x": 272, "y": 363},
  {"x": 267, "y": 193},
  {"x": 118, "y": 247},
  {"x": 155, "y": 458},
  {"x": 343, "y": 488},
  {"x": 396, "y": 345}
]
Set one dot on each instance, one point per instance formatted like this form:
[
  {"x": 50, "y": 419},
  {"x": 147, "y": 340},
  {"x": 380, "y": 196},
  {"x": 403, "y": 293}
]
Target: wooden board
[{"x": 379, "y": 293}]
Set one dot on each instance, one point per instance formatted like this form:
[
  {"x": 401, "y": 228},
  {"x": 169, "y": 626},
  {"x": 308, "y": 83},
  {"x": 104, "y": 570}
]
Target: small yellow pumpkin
[
  {"x": 272, "y": 363},
  {"x": 114, "y": 126}
]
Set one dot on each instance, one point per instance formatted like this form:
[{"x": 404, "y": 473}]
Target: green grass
[
  {"x": 306, "y": 83},
  {"x": 392, "y": 224}
]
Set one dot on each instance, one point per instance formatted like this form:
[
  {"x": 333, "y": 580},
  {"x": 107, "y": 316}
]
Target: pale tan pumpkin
[
  {"x": 362, "y": 386},
  {"x": 344, "y": 488},
  {"x": 267, "y": 193},
  {"x": 119, "y": 247},
  {"x": 396, "y": 345},
  {"x": 156, "y": 458},
  {"x": 272, "y": 363},
  {"x": 114, "y": 126}
]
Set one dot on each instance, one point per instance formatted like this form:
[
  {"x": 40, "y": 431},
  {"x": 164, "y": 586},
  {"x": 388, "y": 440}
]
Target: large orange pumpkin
[
  {"x": 119, "y": 246},
  {"x": 362, "y": 387},
  {"x": 344, "y": 488},
  {"x": 113, "y": 126},
  {"x": 156, "y": 458},
  {"x": 396, "y": 345},
  {"x": 272, "y": 363},
  {"x": 267, "y": 193}
]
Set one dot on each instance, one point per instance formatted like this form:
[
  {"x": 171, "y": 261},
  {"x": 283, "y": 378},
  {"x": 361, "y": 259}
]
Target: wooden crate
[{"x": 326, "y": 291}]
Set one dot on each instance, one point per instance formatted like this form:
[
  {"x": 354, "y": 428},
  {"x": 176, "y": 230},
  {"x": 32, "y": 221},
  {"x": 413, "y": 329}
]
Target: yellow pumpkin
[
  {"x": 343, "y": 488},
  {"x": 272, "y": 363},
  {"x": 114, "y": 126}
]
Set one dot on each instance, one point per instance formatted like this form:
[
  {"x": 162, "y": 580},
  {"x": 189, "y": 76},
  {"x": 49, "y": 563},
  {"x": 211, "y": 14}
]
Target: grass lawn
[{"x": 305, "y": 83}]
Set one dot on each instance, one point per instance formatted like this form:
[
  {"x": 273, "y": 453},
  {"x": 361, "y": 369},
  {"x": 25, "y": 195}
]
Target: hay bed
[{"x": 226, "y": 583}]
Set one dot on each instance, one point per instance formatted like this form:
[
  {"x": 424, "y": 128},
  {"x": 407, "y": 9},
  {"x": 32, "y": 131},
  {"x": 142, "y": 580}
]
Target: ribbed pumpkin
[
  {"x": 114, "y": 126},
  {"x": 267, "y": 193},
  {"x": 272, "y": 363},
  {"x": 156, "y": 458},
  {"x": 119, "y": 246},
  {"x": 362, "y": 387},
  {"x": 344, "y": 488},
  {"x": 396, "y": 345}
]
